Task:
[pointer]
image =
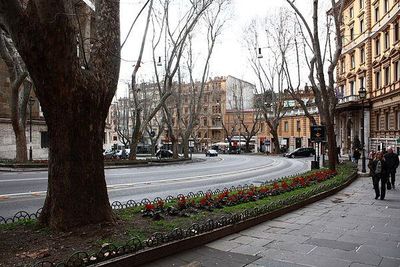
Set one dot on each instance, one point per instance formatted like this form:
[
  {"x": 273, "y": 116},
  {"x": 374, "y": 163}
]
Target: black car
[
  {"x": 301, "y": 152},
  {"x": 164, "y": 153}
]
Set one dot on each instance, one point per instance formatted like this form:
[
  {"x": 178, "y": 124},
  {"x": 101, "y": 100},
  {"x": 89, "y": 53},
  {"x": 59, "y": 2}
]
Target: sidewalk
[{"x": 350, "y": 228}]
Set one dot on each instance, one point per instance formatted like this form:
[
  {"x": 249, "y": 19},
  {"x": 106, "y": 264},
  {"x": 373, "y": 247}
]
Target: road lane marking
[
  {"x": 117, "y": 187},
  {"x": 22, "y": 180}
]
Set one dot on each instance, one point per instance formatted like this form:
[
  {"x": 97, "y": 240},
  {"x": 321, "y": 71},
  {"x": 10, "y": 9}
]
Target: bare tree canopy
[{"x": 323, "y": 81}]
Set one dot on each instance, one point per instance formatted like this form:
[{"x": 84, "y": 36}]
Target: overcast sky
[{"x": 230, "y": 56}]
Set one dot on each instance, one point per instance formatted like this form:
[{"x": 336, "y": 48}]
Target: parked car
[
  {"x": 164, "y": 153},
  {"x": 109, "y": 154},
  {"x": 211, "y": 153},
  {"x": 301, "y": 152},
  {"x": 120, "y": 154}
]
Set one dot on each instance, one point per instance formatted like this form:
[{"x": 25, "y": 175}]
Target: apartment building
[
  {"x": 294, "y": 126},
  {"x": 221, "y": 95},
  {"x": 369, "y": 60}
]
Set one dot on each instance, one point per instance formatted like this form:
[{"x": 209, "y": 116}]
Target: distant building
[{"x": 294, "y": 127}]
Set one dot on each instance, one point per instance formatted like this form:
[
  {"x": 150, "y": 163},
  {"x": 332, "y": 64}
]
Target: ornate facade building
[{"x": 370, "y": 60}]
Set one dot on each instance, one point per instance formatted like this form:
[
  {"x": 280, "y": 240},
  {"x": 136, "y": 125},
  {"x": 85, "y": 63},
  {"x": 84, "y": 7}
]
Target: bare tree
[
  {"x": 122, "y": 117},
  {"x": 323, "y": 88},
  {"x": 214, "y": 23},
  {"x": 74, "y": 97},
  {"x": 271, "y": 79},
  {"x": 176, "y": 36},
  {"x": 20, "y": 91}
]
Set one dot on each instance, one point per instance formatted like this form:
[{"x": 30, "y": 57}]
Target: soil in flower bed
[{"x": 24, "y": 243}]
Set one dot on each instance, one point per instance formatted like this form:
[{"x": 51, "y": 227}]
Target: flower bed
[{"x": 228, "y": 197}]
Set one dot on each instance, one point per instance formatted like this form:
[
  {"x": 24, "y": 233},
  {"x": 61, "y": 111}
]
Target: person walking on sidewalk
[
  {"x": 379, "y": 173},
  {"x": 392, "y": 161},
  {"x": 356, "y": 156},
  {"x": 371, "y": 157}
]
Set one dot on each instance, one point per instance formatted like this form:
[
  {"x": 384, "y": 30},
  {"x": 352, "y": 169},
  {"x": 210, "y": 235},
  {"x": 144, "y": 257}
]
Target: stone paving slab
[{"x": 349, "y": 229}]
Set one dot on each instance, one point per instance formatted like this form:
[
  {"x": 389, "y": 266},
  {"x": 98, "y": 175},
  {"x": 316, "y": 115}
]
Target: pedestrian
[
  {"x": 371, "y": 157},
  {"x": 379, "y": 173},
  {"x": 392, "y": 161},
  {"x": 356, "y": 155}
]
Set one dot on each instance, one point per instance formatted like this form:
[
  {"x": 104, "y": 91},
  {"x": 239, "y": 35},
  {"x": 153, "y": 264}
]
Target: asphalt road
[{"x": 27, "y": 190}]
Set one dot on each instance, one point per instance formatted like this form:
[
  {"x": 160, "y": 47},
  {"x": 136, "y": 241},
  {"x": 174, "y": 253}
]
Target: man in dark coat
[
  {"x": 379, "y": 173},
  {"x": 392, "y": 161}
]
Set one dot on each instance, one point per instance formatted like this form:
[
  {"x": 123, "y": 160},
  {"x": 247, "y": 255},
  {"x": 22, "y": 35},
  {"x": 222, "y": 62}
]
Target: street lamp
[
  {"x": 362, "y": 94},
  {"x": 30, "y": 102}
]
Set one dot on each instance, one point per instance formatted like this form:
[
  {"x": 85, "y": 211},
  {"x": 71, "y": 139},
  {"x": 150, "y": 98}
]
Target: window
[
  {"x": 361, "y": 4},
  {"x": 398, "y": 120},
  {"x": 387, "y": 40},
  {"x": 362, "y": 55},
  {"x": 386, "y": 6},
  {"x": 378, "y": 122},
  {"x": 362, "y": 85},
  {"x": 298, "y": 127},
  {"x": 353, "y": 61},
  {"x": 387, "y": 75},
  {"x": 44, "y": 139},
  {"x": 115, "y": 138},
  {"x": 387, "y": 121},
  {"x": 397, "y": 71},
  {"x": 351, "y": 12},
  {"x": 361, "y": 25},
  {"x": 377, "y": 14},
  {"x": 351, "y": 87},
  {"x": 396, "y": 31},
  {"x": 286, "y": 126},
  {"x": 342, "y": 66},
  {"x": 377, "y": 47},
  {"x": 377, "y": 80},
  {"x": 351, "y": 33}
]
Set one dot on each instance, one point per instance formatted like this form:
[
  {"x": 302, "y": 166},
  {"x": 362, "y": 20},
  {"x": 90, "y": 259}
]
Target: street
[{"x": 26, "y": 190}]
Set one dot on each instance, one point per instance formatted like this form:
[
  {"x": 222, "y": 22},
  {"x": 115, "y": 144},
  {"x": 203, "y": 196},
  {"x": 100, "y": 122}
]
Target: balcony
[{"x": 349, "y": 98}]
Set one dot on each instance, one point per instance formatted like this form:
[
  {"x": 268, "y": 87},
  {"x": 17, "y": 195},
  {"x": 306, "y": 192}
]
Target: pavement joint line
[
  {"x": 311, "y": 250},
  {"x": 358, "y": 248}
]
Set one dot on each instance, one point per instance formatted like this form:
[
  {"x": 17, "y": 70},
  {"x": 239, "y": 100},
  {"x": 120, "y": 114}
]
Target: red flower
[{"x": 149, "y": 207}]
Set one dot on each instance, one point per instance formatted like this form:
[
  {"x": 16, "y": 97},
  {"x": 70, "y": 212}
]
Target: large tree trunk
[
  {"x": 185, "y": 146},
  {"x": 277, "y": 149},
  {"x": 20, "y": 141},
  {"x": 74, "y": 99},
  {"x": 332, "y": 153},
  {"x": 133, "y": 147},
  {"x": 175, "y": 146},
  {"x": 77, "y": 193}
]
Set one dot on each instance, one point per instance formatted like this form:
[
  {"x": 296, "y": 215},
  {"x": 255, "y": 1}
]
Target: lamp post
[
  {"x": 362, "y": 94},
  {"x": 30, "y": 102}
]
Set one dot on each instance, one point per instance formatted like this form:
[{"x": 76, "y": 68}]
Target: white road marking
[{"x": 118, "y": 187}]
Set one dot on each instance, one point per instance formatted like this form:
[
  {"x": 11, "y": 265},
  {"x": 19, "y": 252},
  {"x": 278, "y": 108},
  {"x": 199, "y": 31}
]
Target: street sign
[{"x": 318, "y": 133}]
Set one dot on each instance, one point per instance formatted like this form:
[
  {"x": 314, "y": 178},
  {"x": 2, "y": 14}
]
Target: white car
[{"x": 211, "y": 153}]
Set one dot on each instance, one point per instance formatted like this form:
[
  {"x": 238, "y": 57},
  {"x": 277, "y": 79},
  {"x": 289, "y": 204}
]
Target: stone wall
[{"x": 7, "y": 140}]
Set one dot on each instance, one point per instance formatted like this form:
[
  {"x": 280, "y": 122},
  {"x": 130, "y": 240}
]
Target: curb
[
  {"x": 162, "y": 251},
  {"x": 19, "y": 168}
]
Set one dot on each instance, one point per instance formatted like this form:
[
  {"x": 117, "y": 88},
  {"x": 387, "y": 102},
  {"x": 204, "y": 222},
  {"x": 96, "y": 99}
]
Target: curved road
[{"x": 26, "y": 190}]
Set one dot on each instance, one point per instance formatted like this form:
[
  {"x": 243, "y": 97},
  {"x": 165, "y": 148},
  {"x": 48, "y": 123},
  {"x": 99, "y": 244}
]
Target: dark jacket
[
  {"x": 356, "y": 154},
  {"x": 384, "y": 167},
  {"x": 392, "y": 160}
]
